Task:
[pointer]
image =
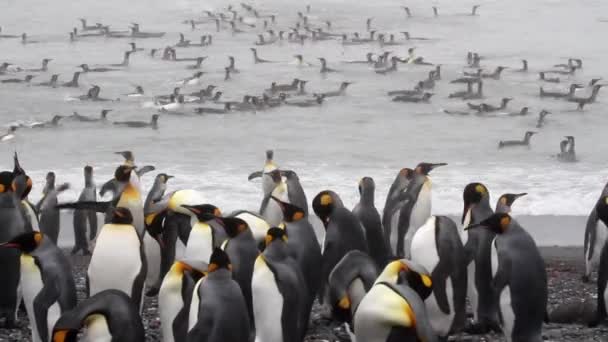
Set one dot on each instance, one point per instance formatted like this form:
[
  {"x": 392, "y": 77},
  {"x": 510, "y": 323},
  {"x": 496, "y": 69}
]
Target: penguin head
[
  {"x": 289, "y": 174},
  {"x": 497, "y": 223},
  {"x": 366, "y": 185},
  {"x": 233, "y": 225},
  {"x": 275, "y": 234},
  {"x": 121, "y": 215},
  {"x": 204, "y": 212},
  {"x": 128, "y": 155},
  {"x": 323, "y": 205},
  {"x": 601, "y": 209},
  {"x": 88, "y": 170},
  {"x": 426, "y": 168},
  {"x": 6, "y": 181},
  {"x": 182, "y": 266},
  {"x": 164, "y": 178},
  {"x": 65, "y": 335},
  {"x": 291, "y": 213},
  {"x": 508, "y": 199},
  {"x": 123, "y": 172},
  {"x": 472, "y": 195},
  {"x": 154, "y": 224},
  {"x": 26, "y": 242},
  {"x": 406, "y": 271},
  {"x": 219, "y": 259}
]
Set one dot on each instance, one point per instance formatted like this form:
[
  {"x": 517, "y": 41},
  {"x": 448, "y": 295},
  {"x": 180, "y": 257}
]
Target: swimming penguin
[
  {"x": 46, "y": 282},
  {"x": 369, "y": 217},
  {"x": 201, "y": 240},
  {"x": 153, "y": 123},
  {"x": 51, "y": 83},
  {"x": 437, "y": 247},
  {"x": 83, "y": 217},
  {"x": 477, "y": 244},
  {"x": 506, "y": 201},
  {"x": 27, "y": 79},
  {"x": 218, "y": 311},
  {"x": 125, "y": 271},
  {"x": 304, "y": 244},
  {"x": 9, "y": 135},
  {"x": 343, "y": 233},
  {"x": 74, "y": 82},
  {"x": 13, "y": 225},
  {"x": 596, "y": 234},
  {"x": 279, "y": 292},
  {"x": 512, "y": 143},
  {"x": 348, "y": 282},
  {"x": 519, "y": 279},
  {"x": 174, "y": 299},
  {"x": 242, "y": 250},
  {"x": 395, "y": 311},
  {"x": 107, "y": 316},
  {"x": 49, "y": 214},
  {"x": 103, "y": 116}
]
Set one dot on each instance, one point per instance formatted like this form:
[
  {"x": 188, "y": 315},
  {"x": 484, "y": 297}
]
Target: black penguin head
[
  {"x": 164, "y": 178},
  {"x": 275, "y": 234},
  {"x": 233, "y": 226},
  {"x": 426, "y": 168},
  {"x": 154, "y": 224},
  {"x": 6, "y": 181},
  {"x": 417, "y": 277},
  {"x": 323, "y": 205},
  {"x": 472, "y": 195},
  {"x": 508, "y": 199},
  {"x": 123, "y": 172},
  {"x": 50, "y": 178},
  {"x": 88, "y": 170},
  {"x": 291, "y": 213},
  {"x": 204, "y": 212},
  {"x": 65, "y": 335},
  {"x": 367, "y": 185},
  {"x": 219, "y": 259},
  {"x": 26, "y": 242},
  {"x": 406, "y": 173},
  {"x": 497, "y": 223},
  {"x": 121, "y": 216},
  {"x": 275, "y": 175},
  {"x": 289, "y": 174}
]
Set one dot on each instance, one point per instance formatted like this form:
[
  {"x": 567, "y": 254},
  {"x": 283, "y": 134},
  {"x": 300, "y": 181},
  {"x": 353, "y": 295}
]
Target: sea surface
[{"x": 334, "y": 145}]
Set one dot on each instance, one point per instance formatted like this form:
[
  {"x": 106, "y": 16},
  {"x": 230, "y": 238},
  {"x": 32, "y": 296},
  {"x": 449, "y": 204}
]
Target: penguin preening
[
  {"x": 519, "y": 279},
  {"x": 46, "y": 282},
  {"x": 107, "y": 316}
]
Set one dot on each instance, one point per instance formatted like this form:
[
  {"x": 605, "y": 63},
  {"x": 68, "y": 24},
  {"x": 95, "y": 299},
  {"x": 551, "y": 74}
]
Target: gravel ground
[{"x": 566, "y": 291}]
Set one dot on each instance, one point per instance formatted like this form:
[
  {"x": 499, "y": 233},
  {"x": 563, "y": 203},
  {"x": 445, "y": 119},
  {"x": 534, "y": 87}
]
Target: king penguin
[
  {"x": 519, "y": 279},
  {"x": 30, "y": 214},
  {"x": 279, "y": 293},
  {"x": 118, "y": 260},
  {"x": 107, "y": 316},
  {"x": 398, "y": 186},
  {"x": 218, "y": 311},
  {"x": 201, "y": 241},
  {"x": 343, "y": 233},
  {"x": 367, "y": 213},
  {"x": 295, "y": 191},
  {"x": 82, "y": 218},
  {"x": 504, "y": 203},
  {"x": 601, "y": 210},
  {"x": 477, "y": 244},
  {"x": 46, "y": 282},
  {"x": 174, "y": 299},
  {"x": 596, "y": 233},
  {"x": 272, "y": 185},
  {"x": 257, "y": 224},
  {"x": 437, "y": 247},
  {"x": 13, "y": 224},
  {"x": 49, "y": 214}
]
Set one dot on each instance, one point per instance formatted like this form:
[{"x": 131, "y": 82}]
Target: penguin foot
[
  {"x": 74, "y": 251},
  {"x": 152, "y": 292},
  {"x": 585, "y": 278},
  {"x": 481, "y": 328}
]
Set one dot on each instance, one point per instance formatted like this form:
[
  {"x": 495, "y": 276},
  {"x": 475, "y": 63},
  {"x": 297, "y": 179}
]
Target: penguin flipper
[
  {"x": 264, "y": 204},
  {"x": 48, "y": 295},
  {"x": 439, "y": 276},
  {"x": 255, "y": 175},
  {"x": 144, "y": 169},
  {"x": 100, "y": 207},
  {"x": 111, "y": 185}
]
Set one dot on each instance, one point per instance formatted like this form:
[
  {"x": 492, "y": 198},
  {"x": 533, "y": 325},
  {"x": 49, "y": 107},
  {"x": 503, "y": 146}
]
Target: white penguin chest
[
  {"x": 422, "y": 209},
  {"x": 200, "y": 242},
  {"x": 267, "y": 303},
  {"x": 97, "y": 329},
  {"x": 379, "y": 311},
  {"x": 424, "y": 247},
  {"x": 170, "y": 302}
]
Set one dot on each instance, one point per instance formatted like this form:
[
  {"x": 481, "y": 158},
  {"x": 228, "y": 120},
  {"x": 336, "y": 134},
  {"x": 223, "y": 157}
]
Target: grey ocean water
[{"x": 362, "y": 134}]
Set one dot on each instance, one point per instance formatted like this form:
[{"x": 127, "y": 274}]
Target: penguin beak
[
  {"x": 169, "y": 177},
  {"x": 521, "y": 195},
  {"x": 434, "y": 166},
  {"x": 474, "y": 226},
  {"x": 9, "y": 245}
]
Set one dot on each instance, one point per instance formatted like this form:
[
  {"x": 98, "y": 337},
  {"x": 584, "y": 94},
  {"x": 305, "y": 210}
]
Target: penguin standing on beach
[
  {"x": 596, "y": 233},
  {"x": 84, "y": 218},
  {"x": 343, "y": 233},
  {"x": 369, "y": 217},
  {"x": 279, "y": 292},
  {"x": 125, "y": 271},
  {"x": 174, "y": 299},
  {"x": 107, "y": 316},
  {"x": 49, "y": 215},
  {"x": 519, "y": 279},
  {"x": 295, "y": 192},
  {"x": 46, "y": 282},
  {"x": 394, "y": 204},
  {"x": 437, "y": 247},
  {"x": 272, "y": 185},
  {"x": 504, "y": 203},
  {"x": 601, "y": 210},
  {"x": 201, "y": 241},
  {"x": 477, "y": 244},
  {"x": 218, "y": 311}
]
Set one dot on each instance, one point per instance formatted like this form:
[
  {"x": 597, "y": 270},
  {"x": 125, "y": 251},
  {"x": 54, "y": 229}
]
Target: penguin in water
[
  {"x": 437, "y": 247},
  {"x": 304, "y": 245},
  {"x": 46, "y": 282},
  {"x": 174, "y": 299},
  {"x": 506, "y": 201},
  {"x": 49, "y": 214},
  {"x": 343, "y": 233},
  {"x": 107, "y": 316},
  {"x": 218, "y": 311},
  {"x": 519, "y": 279},
  {"x": 393, "y": 309},
  {"x": 13, "y": 224},
  {"x": 82, "y": 218},
  {"x": 596, "y": 233},
  {"x": 279, "y": 292},
  {"x": 125, "y": 271},
  {"x": 477, "y": 244},
  {"x": 393, "y": 205},
  {"x": 201, "y": 240},
  {"x": 369, "y": 217}
]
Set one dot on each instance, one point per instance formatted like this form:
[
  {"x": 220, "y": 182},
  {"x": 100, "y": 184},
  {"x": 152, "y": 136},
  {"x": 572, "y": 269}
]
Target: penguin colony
[
  {"x": 270, "y": 29},
  {"x": 399, "y": 275}
]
